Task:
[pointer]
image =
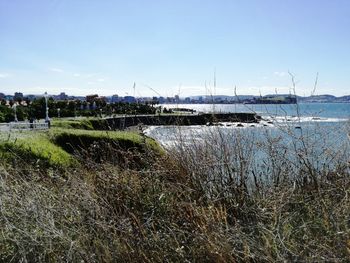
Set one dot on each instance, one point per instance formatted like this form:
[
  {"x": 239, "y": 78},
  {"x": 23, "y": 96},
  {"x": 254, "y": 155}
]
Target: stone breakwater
[{"x": 122, "y": 122}]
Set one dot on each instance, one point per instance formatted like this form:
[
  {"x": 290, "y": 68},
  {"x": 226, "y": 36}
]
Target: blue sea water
[
  {"x": 322, "y": 110},
  {"x": 328, "y": 120},
  {"x": 289, "y": 137}
]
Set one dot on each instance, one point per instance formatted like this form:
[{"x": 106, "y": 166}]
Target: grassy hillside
[
  {"x": 128, "y": 201},
  {"x": 34, "y": 147},
  {"x": 61, "y": 147}
]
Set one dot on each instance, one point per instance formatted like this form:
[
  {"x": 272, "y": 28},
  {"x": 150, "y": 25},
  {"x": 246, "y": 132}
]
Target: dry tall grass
[{"x": 233, "y": 197}]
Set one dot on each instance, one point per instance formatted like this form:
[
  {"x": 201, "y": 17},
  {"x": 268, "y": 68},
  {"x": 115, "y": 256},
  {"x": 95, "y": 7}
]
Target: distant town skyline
[{"x": 173, "y": 48}]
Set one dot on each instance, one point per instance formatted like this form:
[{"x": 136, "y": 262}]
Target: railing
[{"x": 23, "y": 126}]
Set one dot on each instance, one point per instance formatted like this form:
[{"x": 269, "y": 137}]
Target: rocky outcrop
[{"x": 119, "y": 123}]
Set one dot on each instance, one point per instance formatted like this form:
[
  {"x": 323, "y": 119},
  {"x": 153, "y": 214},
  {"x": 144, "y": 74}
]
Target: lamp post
[
  {"x": 15, "y": 110},
  {"x": 47, "y": 119}
]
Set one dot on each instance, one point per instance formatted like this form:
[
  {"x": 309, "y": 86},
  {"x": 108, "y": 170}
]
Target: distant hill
[
  {"x": 324, "y": 98},
  {"x": 343, "y": 99},
  {"x": 223, "y": 97}
]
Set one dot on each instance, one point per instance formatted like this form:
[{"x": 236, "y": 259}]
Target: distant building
[
  {"x": 274, "y": 100},
  {"x": 8, "y": 97},
  {"x": 81, "y": 98},
  {"x": 102, "y": 99},
  {"x": 63, "y": 96},
  {"x": 91, "y": 98},
  {"x": 141, "y": 100},
  {"x": 129, "y": 99},
  {"x": 31, "y": 97},
  {"x": 18, "y": 96},
  {"x": 170, "y": 99},
  {"x": 115, "y": 98}
]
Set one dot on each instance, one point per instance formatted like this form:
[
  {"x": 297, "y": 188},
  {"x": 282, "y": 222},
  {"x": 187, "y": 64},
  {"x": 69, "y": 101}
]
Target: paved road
[{"x": 4, "y": 127}]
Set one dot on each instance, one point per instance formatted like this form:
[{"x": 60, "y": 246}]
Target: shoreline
[{"x": 121, "y": 123}]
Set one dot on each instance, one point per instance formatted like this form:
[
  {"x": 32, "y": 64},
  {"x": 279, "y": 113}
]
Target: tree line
[{"x": 36, "y": 109}]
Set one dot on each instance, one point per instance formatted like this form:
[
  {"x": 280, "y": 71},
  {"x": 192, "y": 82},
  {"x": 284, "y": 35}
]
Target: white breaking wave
[
  {"x": 170, "y": 136},
  {"x": 293, "y": 119}
]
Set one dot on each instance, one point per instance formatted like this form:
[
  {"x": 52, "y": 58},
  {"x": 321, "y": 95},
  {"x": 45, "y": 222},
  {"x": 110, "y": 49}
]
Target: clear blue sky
[{"x": 104, "y": 46}]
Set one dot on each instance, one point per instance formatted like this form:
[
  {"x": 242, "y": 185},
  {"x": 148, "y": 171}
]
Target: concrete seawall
[{"x": 119, "y": 123}]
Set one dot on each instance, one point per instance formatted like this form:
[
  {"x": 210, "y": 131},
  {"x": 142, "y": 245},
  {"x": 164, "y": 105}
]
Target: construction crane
[
  {"x": 153, "y": 90},
  {"x": 134, "y": 86}
]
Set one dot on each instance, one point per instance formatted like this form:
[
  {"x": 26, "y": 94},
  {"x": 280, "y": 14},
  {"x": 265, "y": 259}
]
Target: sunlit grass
[
  {"x": 72, "y": 123},
  {"x": 55, "y": 147},
  {"x": 125, "y": 139},
  {"x": 35, "y": 146}
]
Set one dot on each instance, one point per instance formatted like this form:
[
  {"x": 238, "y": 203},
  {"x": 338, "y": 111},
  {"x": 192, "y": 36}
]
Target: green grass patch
[
  {"x": 55, "y": 148},
  {"x": 72, "y": 124},
  {"x": 73, "y": 139},
  {"x": 82, "y": 123},
  {"x": 35, "y": 148}
]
